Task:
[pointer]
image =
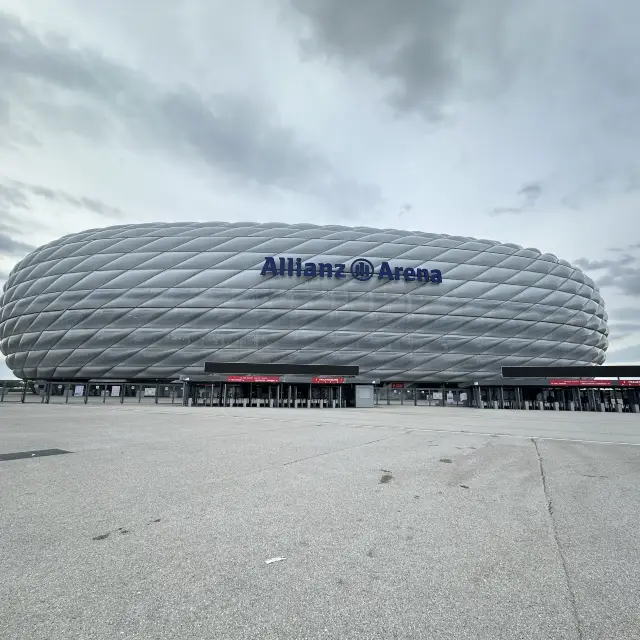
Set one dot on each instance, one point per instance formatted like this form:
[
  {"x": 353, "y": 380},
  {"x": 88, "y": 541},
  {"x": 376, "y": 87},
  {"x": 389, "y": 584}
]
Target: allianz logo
[{"x": 360, "y": 269}]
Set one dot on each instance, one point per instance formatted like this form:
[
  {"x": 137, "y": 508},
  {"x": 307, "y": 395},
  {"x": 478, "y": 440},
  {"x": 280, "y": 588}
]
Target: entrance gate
[{"x": 258, "y": 394}]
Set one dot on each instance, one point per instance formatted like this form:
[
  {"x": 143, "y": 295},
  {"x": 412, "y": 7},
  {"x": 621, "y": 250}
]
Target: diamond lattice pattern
[{"x": 157, "y": 300}]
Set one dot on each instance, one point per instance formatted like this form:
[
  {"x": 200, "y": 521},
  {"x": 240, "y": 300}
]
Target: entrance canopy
[
  {"x": 255, "y": 368},
  {"x": 261, "y": 373},
  {"x": 587, "y": 372}
]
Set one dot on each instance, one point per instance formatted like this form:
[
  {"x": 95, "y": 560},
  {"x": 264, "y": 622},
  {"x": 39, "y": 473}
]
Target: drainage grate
[{"x": 31, "y": 454}]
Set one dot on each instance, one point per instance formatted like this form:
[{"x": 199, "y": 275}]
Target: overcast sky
[{"x": 515, "y": 121}]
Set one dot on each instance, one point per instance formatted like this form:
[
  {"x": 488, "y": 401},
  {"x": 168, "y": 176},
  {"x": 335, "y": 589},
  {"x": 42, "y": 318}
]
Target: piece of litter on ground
[{"x": 270, "y": 560}]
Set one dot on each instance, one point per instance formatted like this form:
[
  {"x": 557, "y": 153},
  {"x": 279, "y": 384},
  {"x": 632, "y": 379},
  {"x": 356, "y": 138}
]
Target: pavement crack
[
  {"x": 556, "y": 537},
  {"x": 328, "y": 453}
]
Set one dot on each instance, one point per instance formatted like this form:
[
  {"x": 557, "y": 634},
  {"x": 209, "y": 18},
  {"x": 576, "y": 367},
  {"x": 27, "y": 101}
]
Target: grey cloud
[
  {"x": 627, "y": 313},
  {"x": 15, "y": 193},
  {"x": 624, "y": 322},
  {"x": 11, "y": 247},
  {"x": 627, "y": 354},
  {"x": 404, "y": 209},
  {"x": 609, "y": 263},
  {"x": 528, "y": 194},
  {"x": 622, "y": 273},
  {"x": 421, "y": 48},
  {"x": 18, "y": 212},
  {"x": 231, "y": 133},
  {"x": 10, "y": 222},
  {"x": 605, "y": 183},
  {"x": 12, "y": 197},
  {"x": 618, "y": 327}
]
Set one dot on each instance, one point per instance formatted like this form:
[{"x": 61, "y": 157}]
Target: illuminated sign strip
[
  {"x": 581, "y": 383},
  {"x": 253, "y": 378}
]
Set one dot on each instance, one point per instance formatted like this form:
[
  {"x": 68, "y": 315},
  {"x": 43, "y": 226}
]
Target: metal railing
[{"x": 30, "y": 392}]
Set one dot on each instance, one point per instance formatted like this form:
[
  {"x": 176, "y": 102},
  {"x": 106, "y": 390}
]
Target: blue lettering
[
  {"x": 409, "y": 274},
  {"x": 269, "y": 267},
  {"x": 326, "y": 269},
  {"x": 295, "y": 267},
  {"x": 385, "y": 271}
]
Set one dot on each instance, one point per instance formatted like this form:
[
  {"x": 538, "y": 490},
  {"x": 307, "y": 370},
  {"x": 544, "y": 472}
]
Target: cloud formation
[
  {"x": 424, "y": 51},
  {"x": 622, "y": 272},
  {"x": 528, "y": 195},
  {"x": 11, "y": 247},
  {"x": 629, "y": 354},
  {"x": 15, "y": 195},
  {"x": 103, "y": 99}
]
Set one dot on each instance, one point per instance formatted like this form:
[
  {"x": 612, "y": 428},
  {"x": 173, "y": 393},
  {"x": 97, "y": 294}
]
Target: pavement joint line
[{"x": 556, "y": 537}]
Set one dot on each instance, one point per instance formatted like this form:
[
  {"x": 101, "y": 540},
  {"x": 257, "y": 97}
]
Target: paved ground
[{"x": 395, "y": 522}]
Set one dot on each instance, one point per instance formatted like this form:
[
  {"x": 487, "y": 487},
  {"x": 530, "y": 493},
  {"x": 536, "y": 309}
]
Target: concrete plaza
[{"x": 393, "y": 522}]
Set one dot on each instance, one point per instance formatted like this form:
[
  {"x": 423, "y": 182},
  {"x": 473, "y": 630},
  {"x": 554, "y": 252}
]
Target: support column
[
  {"x": 86, "y": 392},
  {"x": 24, "y": 391},
  {"x": 2, "y": 391}
]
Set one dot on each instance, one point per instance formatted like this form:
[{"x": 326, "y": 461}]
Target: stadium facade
[{"x": 156, "y": 301}]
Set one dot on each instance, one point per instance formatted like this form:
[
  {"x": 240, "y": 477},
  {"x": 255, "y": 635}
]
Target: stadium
[{"x": 154, "y": 302}]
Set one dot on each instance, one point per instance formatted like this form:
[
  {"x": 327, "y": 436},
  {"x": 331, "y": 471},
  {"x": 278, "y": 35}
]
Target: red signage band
[
  {"x": 629, "y": 383},
  {"x": 253, "y": 378},
  {"x": 397, "y": 385},
  {"x": 581, "y": 383},
  {"x": 327, "y": 380}
]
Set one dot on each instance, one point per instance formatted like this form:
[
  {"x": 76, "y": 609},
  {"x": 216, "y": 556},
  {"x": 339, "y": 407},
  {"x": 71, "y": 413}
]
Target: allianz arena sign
[{"x": 360, "y": 269}]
